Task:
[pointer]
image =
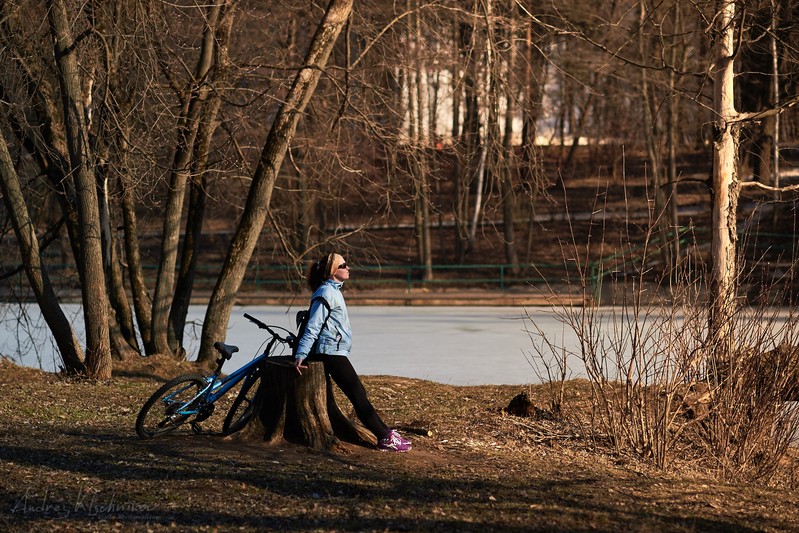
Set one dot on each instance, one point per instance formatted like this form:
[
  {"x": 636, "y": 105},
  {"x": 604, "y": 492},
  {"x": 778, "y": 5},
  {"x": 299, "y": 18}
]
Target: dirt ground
[{"x": 70, "y": 461}]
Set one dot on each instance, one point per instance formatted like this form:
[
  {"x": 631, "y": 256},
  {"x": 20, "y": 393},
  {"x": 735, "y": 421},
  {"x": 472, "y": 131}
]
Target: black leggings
[{"x": 339, "y": 368}]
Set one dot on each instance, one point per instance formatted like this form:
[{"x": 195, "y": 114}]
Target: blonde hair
[{"x": 322, "y": 269}]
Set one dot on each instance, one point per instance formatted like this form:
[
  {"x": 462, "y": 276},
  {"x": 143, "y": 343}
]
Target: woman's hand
[{"x": 298, "y": 366}]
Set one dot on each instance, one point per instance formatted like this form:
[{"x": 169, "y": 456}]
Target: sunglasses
[{"x": 343, "y": 265}]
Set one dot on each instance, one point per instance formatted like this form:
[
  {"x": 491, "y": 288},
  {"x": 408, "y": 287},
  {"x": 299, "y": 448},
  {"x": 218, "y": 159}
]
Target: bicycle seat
[{"x": 227, "y": 350}]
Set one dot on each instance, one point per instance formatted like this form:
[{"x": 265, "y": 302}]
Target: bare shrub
[
  {"x": 752, "y": 418},
  {"x": 657, "y": 388}
]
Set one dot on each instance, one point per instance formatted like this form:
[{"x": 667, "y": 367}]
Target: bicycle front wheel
[
  {"x": 165, "y": 410},
  {"x": 244, "y": 405}
]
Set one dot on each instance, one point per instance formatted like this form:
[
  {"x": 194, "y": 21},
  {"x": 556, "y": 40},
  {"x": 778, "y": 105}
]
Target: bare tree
[
  {"x": 471, "y": 47},
  {"x": 260, "y": 192},
  {"x": 419, "y": 140},
  {"x": 208, "y": 121},
  {"x": 198, "y": 93},
  {"x": 90, "y": 259},
  {"x": 727, "y": 184},
  {"x": 167, "y": 111},
  {"x": 725, "y": 187},
  {"x": 24, "y": 228}
]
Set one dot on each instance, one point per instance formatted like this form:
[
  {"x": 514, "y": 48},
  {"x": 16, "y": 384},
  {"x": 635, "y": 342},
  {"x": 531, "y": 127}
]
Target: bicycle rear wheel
[
  {"x": 243, "y": 406},
  {"x": 162, "y": 412}
]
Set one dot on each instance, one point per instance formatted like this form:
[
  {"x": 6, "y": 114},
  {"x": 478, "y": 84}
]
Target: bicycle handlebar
[
  {"x": 261, "y": 325},
  {"x": 256, "y": 322}
]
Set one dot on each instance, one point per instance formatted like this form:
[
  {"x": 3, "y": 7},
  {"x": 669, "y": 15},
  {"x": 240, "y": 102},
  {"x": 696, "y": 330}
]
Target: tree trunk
[
  {"x": 90, "y": 259},
  {"x": 534, "y": 80},
  {"x": 457, "y": 145},
  {"x": 208, "y": 123},
  {"x": 576, "y": 130},
  {"x": 181, "y": 166},
  {"x": 418, "y": 107},
  {"x": 260, "y": 194},
  {"x": 188, "y": 262},
  {"x": 507, "y": 164},
  {"x": 471, "y": 132},
  {"x": 672, "y": 208},
  {"x": 673, "y": 114},
  {"x": 67, "y": 342},
  {"x": 122, "y": 319},
  {"x": 775, "y": 102},
  {"x": 653, "y": 143},
  {"x": 300, "y": 409},
  {"x": 142, "y": 303},
  {"x": 488, "y": 138},
  {"x": 725, "y": 192}
]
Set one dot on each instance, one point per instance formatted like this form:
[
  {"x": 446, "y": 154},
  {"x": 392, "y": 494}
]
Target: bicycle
[{"x": 192, "y": 397}]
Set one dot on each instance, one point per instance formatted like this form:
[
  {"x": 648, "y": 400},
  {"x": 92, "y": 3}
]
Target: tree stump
[{"x": 301, "y": 409}]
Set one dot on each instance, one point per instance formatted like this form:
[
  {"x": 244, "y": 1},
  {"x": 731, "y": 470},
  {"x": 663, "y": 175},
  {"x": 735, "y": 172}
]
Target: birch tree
[
  {"x": 727, "y": 185},
  {"x": 725, "y": 188}
]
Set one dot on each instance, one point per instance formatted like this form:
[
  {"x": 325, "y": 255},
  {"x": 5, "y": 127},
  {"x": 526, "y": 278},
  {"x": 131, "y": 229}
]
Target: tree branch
[
  {"x": 757, "y": 184},
  {"x": 757, "y": 115}
]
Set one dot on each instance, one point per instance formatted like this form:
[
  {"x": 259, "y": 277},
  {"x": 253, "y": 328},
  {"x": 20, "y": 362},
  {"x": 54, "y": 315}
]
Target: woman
[{"x": 328, "y": 338}]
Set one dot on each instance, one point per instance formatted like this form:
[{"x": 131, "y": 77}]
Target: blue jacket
[{"x": 336, "y": 336}]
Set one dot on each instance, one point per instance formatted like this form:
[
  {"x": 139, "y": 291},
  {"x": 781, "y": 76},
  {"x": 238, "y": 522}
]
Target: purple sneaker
[{"x": 394, "y": 442}]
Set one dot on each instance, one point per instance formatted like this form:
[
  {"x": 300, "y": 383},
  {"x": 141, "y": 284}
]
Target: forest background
[{"x": 147, "y": 144}]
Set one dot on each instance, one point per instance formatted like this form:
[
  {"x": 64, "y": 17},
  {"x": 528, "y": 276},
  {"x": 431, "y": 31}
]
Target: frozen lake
[{"x": 454, "y": 345}]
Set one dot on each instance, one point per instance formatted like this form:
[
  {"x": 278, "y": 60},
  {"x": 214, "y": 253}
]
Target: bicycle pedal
[
  {"x": 195, "y": 427},
  {"x": 204, "y": 413}
]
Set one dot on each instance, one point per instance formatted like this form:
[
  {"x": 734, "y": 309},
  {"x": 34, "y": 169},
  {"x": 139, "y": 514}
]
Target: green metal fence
[
  {"x": 495, "y": 276},
  {"x": 498, "y": 276},
  {"x": 589, "y": 276}
]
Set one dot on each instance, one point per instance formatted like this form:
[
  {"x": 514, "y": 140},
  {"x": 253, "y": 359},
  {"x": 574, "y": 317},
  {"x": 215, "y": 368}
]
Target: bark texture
[
  {"x": 725, "y": 190},
  {"x": 90, "y": 258},
  {"x": 301, "y": 409}
]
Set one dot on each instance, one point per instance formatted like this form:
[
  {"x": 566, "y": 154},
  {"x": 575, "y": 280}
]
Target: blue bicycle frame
[
  {"x": 218, "y": 387},
  {"x": 180, "y": 401}
]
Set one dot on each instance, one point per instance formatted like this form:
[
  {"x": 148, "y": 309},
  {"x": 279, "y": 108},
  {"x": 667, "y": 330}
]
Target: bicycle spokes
[{"x": 171, "y": 405}]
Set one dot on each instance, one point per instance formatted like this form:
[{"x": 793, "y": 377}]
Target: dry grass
[{"x": 71, "y": 462}]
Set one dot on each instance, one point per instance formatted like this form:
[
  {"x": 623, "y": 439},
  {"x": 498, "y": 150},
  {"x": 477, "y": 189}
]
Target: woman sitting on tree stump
[{"x": 328, "y": 338}]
